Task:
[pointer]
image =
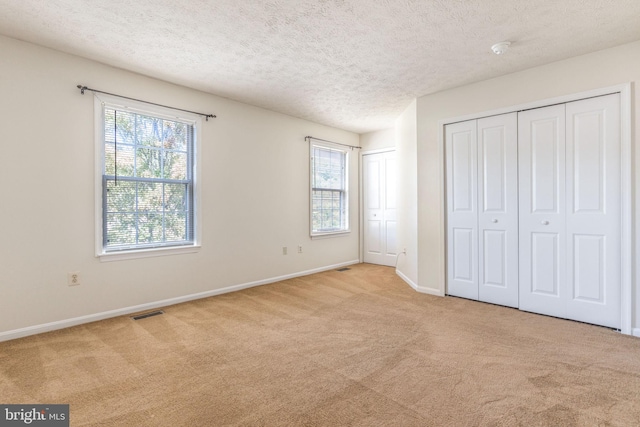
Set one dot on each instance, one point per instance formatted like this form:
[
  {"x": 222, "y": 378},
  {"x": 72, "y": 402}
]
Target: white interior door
[
  {"x": 593, "y": 210},
  {"x": 462, "y": 209},
  {"x": 541, "y": 166},
  {"x": 379, "y": 189},
  {"x": 498, "y": 209}
]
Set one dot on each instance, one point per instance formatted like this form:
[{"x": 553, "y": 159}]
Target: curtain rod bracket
[{"x": 205, "y": 115}]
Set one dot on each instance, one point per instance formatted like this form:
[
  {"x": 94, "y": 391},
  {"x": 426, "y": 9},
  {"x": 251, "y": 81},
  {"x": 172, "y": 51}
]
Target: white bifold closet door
[
  {"x": 534, "y": 210},
  {"x": 498, "y": 210},
  {"x": 379, "y": 189},
  {"x": 482, "y": 203},
  {"x": 462, "y": 207},
  {"x": 542, "y": 210},
  {"x": 570, "y": 210}
]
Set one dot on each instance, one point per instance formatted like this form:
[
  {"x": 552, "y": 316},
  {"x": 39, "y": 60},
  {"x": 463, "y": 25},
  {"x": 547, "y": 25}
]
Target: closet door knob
[
  {"x": 545, "y": 222},
  {"x": 494, "y": 221}
]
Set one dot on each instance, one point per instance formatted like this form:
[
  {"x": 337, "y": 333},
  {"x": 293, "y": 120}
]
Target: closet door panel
[
  {"x": 390, "y": 207},
  {"x": 379, "y": 202},
  {"x": 545, "y": 268},
  {"x": 542, "y": 239},
  {"x": 498, "y": 209},
  {"x": 593, "y": 210},
  {"x": 462, "y": 210}
]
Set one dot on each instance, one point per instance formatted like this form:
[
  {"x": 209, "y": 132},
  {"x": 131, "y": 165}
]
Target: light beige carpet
[{"x": 358, "y": 347}]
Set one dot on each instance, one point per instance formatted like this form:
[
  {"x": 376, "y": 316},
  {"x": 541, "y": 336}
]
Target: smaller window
[{"x": 329, "y": 198}]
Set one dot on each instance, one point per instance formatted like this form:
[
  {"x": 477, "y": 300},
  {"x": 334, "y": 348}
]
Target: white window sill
[
  {"x": 147, "y": 253},
  {"x": 330, "y": 235}
]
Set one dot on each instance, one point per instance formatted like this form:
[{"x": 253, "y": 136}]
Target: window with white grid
[
  {"x": 148, "y": 196},
  {"x": 329, "y": 201}
]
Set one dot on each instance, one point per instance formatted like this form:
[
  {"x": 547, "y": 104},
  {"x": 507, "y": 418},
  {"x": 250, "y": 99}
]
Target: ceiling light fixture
[{"x": 500, "y": 48}]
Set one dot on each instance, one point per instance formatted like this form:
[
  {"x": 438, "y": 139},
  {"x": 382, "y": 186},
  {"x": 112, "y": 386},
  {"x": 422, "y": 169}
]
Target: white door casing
[{"x": 379, "y": 200}]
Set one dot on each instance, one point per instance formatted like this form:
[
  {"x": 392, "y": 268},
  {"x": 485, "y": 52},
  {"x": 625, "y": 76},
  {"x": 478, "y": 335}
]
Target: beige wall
[
  {"x": 601, "y": 69},
  {"x": 378, "y": 140},
  {"x": 254, "y": 182},
  {"x": 406, "y": 139}
]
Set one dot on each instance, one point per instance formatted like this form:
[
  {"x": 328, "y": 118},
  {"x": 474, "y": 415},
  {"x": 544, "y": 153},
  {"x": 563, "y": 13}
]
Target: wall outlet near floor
[
  {"x": 284, "y": 250},
  {"x": 299, "y": 249},
  {"x": 73, "y": 278}
]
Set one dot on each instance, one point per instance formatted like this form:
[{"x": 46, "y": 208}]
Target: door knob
[
  {"x": 494, "y": 221},
  {"x": 545, "y": 222}
]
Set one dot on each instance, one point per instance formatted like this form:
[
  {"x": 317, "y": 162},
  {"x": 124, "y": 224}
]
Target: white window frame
[
  {"x": 100, "y": 102},
  {"x": 347, "y": 227}
]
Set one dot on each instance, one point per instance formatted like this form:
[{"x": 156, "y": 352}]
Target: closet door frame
[{"x": 626, "y": 259}]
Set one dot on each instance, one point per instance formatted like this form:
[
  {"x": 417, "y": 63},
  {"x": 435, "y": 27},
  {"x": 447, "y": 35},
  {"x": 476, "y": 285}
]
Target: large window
[
  {"x": 148, "y": 196},
  {"x": 329, "y": 201}
]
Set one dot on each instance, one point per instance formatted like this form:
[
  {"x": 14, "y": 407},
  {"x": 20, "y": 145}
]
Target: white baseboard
[
  {"x": 635, "y": 332},
  {"x": 406, "y": 279},
  {"x": 61, "y": 324},
  {"x": 421, "y": 289}
]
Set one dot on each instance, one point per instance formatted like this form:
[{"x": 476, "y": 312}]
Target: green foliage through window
[
  {"x": 147, "y": 181},
  {"x": 328, "y": 190}
]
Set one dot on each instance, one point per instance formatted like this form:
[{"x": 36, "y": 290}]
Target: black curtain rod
[
  {"x": 83, "y": 88},
  {"x": 308, "y": 138}
]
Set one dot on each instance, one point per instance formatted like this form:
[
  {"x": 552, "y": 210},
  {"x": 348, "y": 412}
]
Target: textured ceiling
[{"x": 353, "y": 64}]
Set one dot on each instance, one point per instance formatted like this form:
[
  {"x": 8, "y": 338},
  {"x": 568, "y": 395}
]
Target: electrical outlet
[
  {"x": 73, "y": 278},
  {"x": 299, "y": 249},
  {"x": 284, "y": 250}
]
